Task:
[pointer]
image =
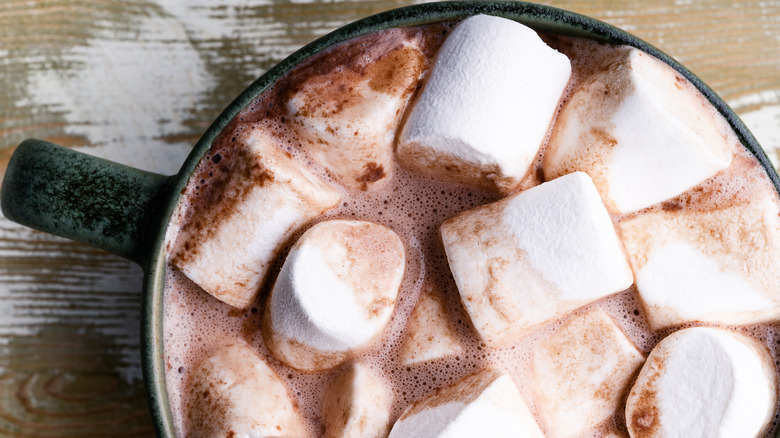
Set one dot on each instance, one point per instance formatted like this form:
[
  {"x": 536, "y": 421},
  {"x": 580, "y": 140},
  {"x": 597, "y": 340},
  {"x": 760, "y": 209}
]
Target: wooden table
[{"x": 139, "y": 81}]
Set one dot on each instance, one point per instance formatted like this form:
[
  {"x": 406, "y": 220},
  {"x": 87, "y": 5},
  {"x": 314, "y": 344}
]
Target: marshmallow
[
  {"x": 581, "y": 373},
  {"x": 487, "y": 105},
  {"x": 641, "y": 131},
  {"x": 234, "y": 393},
  {"x": 703, "y": 382},
  {"x": 334, "y": 294},
  {"x": 357, "y": 405},
  {"x": 486, "y": 404},
  {"x": 534, "y": 256},
  {"x": 230, "y": 243},
  {"x": 430, "y": 335},
  {"x": 719, "y": 265},
  {"x": 347, "y": 116}
]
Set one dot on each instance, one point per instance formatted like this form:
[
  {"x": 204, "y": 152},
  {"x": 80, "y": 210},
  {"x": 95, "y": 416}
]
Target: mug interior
[{"x": 539, "y": 17}]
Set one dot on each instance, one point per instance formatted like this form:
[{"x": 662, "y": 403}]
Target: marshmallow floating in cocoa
[
  {"x": 357, "y": 405},
  {"x": 703, "y": 382},
  {"x": 429, "y": 331},
  {"x": 486, "y": 404},
  {"x": 347, "y": 115},
  {"x": 641, "y": 131},
  {"x": 534, "y": 256},
  {"x": 227, "y": 247},
  {"x": 581, "y": 373},
  {"x": 719, "y": 265},
  {"x": 235, "y": 393},
  {"x": 334, "y": 294},
  {"x": 487, "y": 105}
]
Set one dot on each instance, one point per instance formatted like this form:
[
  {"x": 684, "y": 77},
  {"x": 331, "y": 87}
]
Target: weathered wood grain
[{"x": 139, "y": 81}]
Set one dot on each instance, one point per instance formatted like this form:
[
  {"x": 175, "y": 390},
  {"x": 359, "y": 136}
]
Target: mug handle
[{"x": 85, "y": 198}]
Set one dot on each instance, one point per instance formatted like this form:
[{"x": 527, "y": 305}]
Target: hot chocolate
[{"x": 430, "y": 340}]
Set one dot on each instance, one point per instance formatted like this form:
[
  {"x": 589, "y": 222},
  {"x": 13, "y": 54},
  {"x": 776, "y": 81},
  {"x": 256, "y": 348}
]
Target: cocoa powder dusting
[{"x": 373, "y": 173}]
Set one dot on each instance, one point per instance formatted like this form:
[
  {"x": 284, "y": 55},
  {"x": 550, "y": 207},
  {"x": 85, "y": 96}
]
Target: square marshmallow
[
  {"x": 719, "y": 265},
  {"x": 641, "y": 131},
  {"x": 430, "y": 334},
  {"x": 487, "y": 105},
  {"x": 357, "y": 405},
  {"x": 227, "y": 247},
  {"x": 534, "y": 256},
  {"x": 234, "y": 392},
  {"x": 347, "y": 116},
  {"x": 352, "y": 269},
  {"x": 581, "y": 373},
  {"x": 486, "y": 403},
  {"x": 704, "y": 382}
]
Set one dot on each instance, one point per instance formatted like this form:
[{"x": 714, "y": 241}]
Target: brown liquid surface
[{"x": 195, "y": 324}]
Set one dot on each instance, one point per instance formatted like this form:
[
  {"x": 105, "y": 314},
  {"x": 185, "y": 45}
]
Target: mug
[{"x": 126, "y": 211}]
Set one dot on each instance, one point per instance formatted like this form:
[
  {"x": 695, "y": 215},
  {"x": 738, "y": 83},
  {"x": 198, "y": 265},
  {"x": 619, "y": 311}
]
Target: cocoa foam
[{"x": 413, "y": 206}]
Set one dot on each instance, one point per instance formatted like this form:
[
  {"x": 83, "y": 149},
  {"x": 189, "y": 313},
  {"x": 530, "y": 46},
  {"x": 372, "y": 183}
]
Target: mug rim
[{"x": 539, "y": 17}]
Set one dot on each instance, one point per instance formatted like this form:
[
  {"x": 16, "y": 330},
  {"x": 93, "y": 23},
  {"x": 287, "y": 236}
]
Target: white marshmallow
[
  {"x": 581, "y": 373},
  {"x": 487, "y": 105},
  {"x": 347, "y": 117},
  {"x": 357, "y": 405},
  {"x": 641, "y": 131},
  {"x": 429, "y": 332},
  {"x": 486, "y": 404},
  {"x": 703, "y": 382},
  {"x": 534, "y": 256},
  {"x": 234, "y": 393},
  {"x": 719, "y": 265},
  {"x": 334, "y": 294},
  {"x": 228, "y": 246}
]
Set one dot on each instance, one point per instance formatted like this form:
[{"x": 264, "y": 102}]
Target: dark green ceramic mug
[{"x": 126, "y": 211}]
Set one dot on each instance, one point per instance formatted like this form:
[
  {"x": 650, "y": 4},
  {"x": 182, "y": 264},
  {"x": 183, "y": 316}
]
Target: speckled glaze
[{"x": 125, "y": 210}]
